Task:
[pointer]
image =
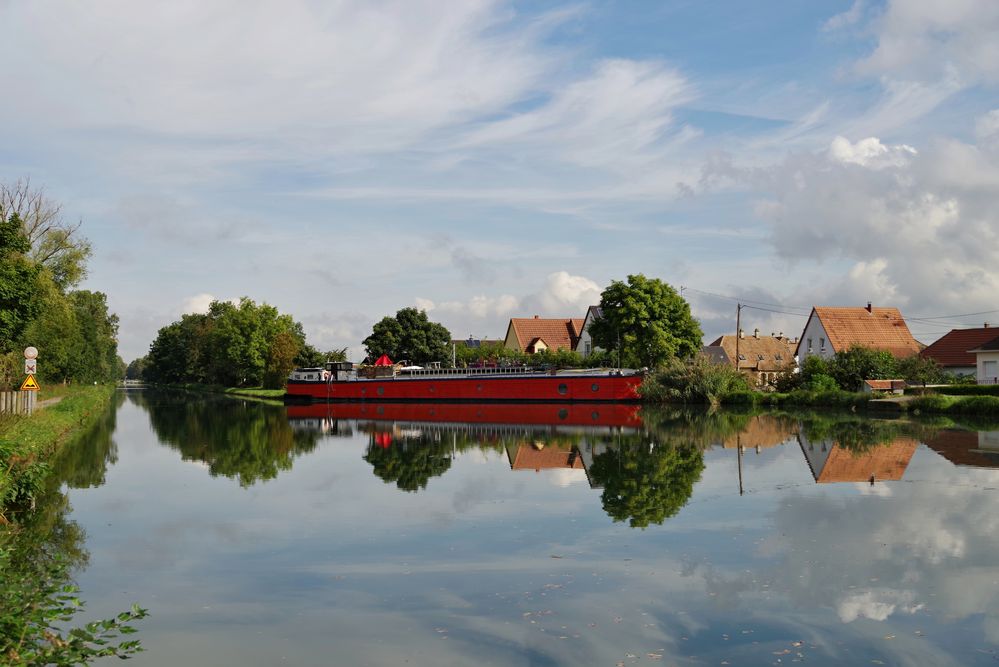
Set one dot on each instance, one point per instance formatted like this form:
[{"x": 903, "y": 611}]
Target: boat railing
[{"x": 500, "y": 370}]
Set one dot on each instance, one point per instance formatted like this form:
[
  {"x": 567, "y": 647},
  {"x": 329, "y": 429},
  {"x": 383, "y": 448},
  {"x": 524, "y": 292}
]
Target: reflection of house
[
  {"x": 979, "y": 449},
  {"x": 761, "y": 432},
  {"x": 536, "y": 334},
  {"x": 831, "y": 462},
  {"x": 585, "y": 344},
  {"x": 987, "y": 362},
  {"x": 953, "y": 351},
  {"x": 832, "y": 330},
  {"x": 539, "y": 456},
  {"x": 764, "y": 358}
]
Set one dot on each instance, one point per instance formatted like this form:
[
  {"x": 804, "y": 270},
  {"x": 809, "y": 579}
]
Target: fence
[{"x": 18, "y": 402}]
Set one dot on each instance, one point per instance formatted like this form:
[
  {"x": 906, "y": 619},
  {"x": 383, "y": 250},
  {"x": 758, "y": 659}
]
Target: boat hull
[
  {"x": 547, "y": 388},
  {"x": 537, "y": 414}
]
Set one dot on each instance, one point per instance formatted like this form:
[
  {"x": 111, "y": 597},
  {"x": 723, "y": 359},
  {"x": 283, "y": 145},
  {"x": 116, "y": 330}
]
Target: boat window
[
  {"x": 563, "y": 413},
  {"x": 562, "y": 389},
  {"x": 595, "y": 387},
  {"x": 381, "y": 391}
]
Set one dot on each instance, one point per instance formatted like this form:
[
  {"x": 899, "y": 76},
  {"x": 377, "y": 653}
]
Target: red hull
[
  {"x": 476, "y": 413},
  {"x": 546, "y": 388}
]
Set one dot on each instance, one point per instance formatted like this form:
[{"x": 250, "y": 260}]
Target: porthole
[
  {"x": 563, "y": 389},
  {"x": 364, "y": 391},
  {"x": 594, "y": 415},
  {"x": 594, "y": 387},
  {"x": 381, "y": 409},
  {"x": 432, "y": 389},
  {"x": 478, "y": 387},
  {"x": 563, "y": 413},
  {"x": 381, "y": 391}
]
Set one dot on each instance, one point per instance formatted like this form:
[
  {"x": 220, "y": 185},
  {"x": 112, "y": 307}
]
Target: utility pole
[{"x": 738, "y": 332}]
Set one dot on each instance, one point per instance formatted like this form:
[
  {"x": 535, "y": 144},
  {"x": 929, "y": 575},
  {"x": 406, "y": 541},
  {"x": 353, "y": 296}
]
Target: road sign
[
  {"x": 30, "y": 353},
  {"x": 31, "y": 367},
  {"x": 29, "y": 384}
]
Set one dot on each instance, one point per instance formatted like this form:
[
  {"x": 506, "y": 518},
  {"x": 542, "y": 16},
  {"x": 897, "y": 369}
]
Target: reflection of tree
[
  {"x": 647, "y": 482},
  {"x": 83, "y": 463},
  {"x": 409, "y": 463},
  {"x": 39, "y": 550},
  {"x": 250, "y": 441}
]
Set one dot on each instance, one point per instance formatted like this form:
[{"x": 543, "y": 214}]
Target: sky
[{"x": 484, "y": 159}]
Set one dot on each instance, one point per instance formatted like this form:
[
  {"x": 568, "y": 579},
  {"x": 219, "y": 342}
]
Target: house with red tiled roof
[
  {"x": 830, "y": 330},
  {"x": 538, "y": 456},
  {"x": 763, "y": 358},
  {"x": 954, "y": 350},
  {"x": 536, "y": 334}
]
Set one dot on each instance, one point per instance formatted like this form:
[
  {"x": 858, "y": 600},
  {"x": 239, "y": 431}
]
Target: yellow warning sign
[{"x": 29, "y": 384}]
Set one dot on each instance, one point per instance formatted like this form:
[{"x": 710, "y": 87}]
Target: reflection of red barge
[
  {"x": 574, "y": 414},
  {"x": 341, "y": 382}
]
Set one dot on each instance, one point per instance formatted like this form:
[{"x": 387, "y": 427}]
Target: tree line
[
  {"x": 241, "y": 344},
  {"x": 43, "y": 258}
]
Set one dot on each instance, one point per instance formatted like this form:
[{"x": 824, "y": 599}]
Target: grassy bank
[
  {"x": 248, "y": 392},
  {"x": 28, "y": 443}
]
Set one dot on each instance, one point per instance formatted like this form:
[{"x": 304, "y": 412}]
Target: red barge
[{"x": 341, "y": 381}]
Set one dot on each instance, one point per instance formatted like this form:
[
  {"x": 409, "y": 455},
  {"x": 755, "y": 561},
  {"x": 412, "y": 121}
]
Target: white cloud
[
  {"x": 197, "y": 304},
  {"x": 870, "y": 153},
  {"x": 565, "y": 295}
]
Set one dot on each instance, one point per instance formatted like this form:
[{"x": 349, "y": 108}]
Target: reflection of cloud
[
  {"x": 565, "y": 477},
  {"x": 877, "y": 606},
  {"x": 879, "y": 490}
]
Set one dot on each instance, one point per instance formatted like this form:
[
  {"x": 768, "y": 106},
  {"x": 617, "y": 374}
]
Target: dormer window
[
  {"x": 742, "y": 357},
  {"x": 759, "y": 357}
]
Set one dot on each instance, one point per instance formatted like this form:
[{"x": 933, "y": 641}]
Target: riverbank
[
  {"x": 245, "y": 392},
  {"x": 27, "y": 444}
]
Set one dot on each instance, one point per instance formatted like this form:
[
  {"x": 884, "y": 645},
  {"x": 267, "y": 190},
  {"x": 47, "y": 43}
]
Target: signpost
[{"x": 30, "y": 369}]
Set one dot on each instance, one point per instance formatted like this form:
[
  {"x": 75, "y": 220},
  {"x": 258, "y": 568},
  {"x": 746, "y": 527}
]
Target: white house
[
  {"x": 987, "y": 362},
  {"x": 585, "y": 345},
  {"x": 831, "y": 330}
]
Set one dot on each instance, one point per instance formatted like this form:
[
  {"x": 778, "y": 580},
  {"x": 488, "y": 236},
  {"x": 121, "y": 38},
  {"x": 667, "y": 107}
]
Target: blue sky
[{"x": 489, "y": 159}]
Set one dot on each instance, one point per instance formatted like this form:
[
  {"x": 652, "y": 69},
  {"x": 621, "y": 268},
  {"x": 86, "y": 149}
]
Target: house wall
[
  {"x": 511, "y": 341},
  {"x": 821, "y": 346},
  {"x": 584, "y": 345},
  {"x": 988, "y": 367},
  {"x": 959, "y": 370}
]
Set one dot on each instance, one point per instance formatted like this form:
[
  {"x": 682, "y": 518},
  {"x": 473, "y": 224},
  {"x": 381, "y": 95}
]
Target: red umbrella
[{"x": 383, "y": 361}]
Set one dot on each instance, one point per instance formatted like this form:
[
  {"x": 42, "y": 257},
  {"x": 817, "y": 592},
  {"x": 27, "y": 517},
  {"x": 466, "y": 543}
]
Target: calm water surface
[{"x": 536, "y": 535}]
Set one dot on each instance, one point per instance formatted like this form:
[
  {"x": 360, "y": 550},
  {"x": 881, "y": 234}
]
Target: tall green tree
[
  {"x": 646, "y": 322},
  {"x": 19, "y": 301},
  {"x": 53, "y": 243},
  {"x": 409, "y": 335}
]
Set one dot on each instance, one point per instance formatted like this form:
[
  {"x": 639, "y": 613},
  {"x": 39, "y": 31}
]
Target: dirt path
[{"x": 48, "y": 401}]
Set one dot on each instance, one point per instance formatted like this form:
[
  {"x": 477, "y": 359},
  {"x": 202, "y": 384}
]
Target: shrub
[{"x": 697, "y": 380}]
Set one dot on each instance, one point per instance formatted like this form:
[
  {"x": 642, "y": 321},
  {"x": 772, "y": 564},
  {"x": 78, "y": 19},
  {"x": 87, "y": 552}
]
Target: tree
[
  {"x": 646, "y": 322},
  {"x": 852, "y": 366},
  {"x": 53, "y": 243},
  {"x": 18, "y": 282},
  {"x": 280, "y": 360},
  {"x": 647, "y": 483},
  {"x": 409, "y": 464},
  {"x": 922, "y": 370},
  {"x": 409, "y": 335},
  {"x": 136, "y": 369}
]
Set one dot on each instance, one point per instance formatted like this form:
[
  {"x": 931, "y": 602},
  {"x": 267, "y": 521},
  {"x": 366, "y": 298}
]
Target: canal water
[{"x": 257, "y": 534}]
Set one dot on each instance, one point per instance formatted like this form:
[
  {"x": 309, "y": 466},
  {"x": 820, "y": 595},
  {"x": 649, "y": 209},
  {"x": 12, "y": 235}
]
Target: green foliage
[
  {"x": 19, "y": 302},
  {"x": 646, "y": 323},
  {"x": 410, "y": 336},
  {"x": 852, "y": 366},
  {"x": 249, "y": 442},
  {"x": 233, "y": 345},
  {"x": 136, "y": 369},
  {"x": 696, "y": 380},
  {"x": 969, "y": 390},
  {"x": 646, "y": 483},
  {"x": 920, "y": 370},
  {"x": 410, "y": 464}
]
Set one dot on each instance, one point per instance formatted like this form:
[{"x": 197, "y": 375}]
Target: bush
[
  {"x": 969, "y": 390},
  {"x": 697, "y": 380}
]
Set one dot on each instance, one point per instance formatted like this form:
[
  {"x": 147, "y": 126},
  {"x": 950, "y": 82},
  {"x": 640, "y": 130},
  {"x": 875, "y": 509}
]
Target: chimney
[
  {"x": 756, "y": 333},
  {"x": 741, "y": 334},
  {"x": 869, "y": 307},
  {"x": 986, "y": 325},
  {"x": 535, "y": 317}
]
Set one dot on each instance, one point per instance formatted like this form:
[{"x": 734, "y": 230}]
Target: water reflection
[
  {"x": 245, "y": 440},
  {"x": 503, "y": 535}
]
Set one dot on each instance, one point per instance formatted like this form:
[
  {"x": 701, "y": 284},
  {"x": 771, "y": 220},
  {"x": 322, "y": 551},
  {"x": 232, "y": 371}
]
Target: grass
[
  {"x": 251, "y": 392},
  {"x": 28, "y": 443}
]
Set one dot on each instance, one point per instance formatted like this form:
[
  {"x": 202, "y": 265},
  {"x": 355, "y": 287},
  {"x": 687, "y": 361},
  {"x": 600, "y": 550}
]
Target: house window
[
  {"x": 809, "y": 345},
  {"x": 759, "y": 357},
  {"x": 587, "y": 348},
  {"x": 780, "y": 357},
  {"x": 822, "y": 344},
  {"x": 742, "y": 357}
]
